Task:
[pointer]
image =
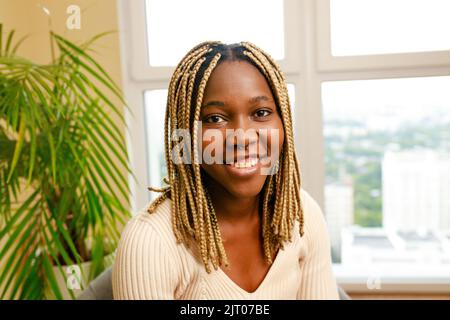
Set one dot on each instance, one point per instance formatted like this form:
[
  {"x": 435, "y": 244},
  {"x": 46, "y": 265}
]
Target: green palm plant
[{"x": 61, "y": 151}]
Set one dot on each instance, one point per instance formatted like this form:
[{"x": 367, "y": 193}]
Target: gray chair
[
  {"x": 101, "y": 288},
  {"x": 343, "y": 295}
]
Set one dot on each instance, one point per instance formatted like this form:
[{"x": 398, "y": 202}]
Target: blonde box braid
[{"x": 193, "y": 216}]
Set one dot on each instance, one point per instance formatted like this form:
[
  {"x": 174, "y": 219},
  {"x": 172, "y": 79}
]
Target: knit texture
[{"x": 151, "y": 265}]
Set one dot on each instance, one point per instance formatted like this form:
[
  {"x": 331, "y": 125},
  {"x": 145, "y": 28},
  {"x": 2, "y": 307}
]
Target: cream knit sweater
[{"x": 151, "y": 265}]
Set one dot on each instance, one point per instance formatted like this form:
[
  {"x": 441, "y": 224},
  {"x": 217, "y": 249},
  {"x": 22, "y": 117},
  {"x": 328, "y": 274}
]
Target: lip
[{"x": 243, "y": 172}]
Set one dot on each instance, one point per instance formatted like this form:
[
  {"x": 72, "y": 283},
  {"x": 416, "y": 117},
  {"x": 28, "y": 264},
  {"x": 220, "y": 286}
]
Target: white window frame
[
  {"x": 142, "y": 71},
  {"x": 327, "y": 62},
  {"x": 308, "y": 62}
]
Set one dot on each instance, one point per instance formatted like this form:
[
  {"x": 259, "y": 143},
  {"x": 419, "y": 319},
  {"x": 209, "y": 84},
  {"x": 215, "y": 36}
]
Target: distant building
[
  {"x": 338, "y": 212},
  {"x": 416, "y": 191},
  {"x": 415, "y": 238}
]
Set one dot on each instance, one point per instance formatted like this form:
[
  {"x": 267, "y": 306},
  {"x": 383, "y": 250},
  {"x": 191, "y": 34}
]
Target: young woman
[{"x": 226, "y": 230}]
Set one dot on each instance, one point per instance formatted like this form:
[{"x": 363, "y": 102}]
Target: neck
[{"x": 231, "y": 208}]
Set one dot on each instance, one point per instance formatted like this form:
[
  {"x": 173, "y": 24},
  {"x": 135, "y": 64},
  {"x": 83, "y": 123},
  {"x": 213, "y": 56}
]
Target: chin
[
  {"x": 235, "y": 185},
  {"x": 242, "y": 189}
]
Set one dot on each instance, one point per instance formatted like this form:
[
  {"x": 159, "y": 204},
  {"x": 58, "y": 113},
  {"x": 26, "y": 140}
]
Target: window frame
[
  {"x": 308, "y": 63},
  {"x": 328, "y": 62},
  {"x": 139, "y": 47}
]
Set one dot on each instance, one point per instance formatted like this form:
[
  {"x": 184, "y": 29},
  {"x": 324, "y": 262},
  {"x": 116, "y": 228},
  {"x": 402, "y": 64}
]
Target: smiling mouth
[{"x": 245, "y": 163}]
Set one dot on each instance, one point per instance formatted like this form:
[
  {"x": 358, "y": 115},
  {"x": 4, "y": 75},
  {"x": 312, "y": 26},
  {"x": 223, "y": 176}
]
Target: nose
[{"x": 243, "y": 135}]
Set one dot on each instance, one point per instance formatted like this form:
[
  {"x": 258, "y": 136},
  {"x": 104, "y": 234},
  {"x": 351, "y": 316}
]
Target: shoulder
[
  {"x": 315, "y": 258},
  {"x": 314, "y": 219},
  {"x": 147, "y": 264},
  {"x": 161, "y": 215},
  {"x": 159, "y": 219},
  {"x": 146, "y": 229},
  {"x": 311, "y": 208}
]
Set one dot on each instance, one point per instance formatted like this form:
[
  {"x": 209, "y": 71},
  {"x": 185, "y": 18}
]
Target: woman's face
[{"x": 237, "y": 96}]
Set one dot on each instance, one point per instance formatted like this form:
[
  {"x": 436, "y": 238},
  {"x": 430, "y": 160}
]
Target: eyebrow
[
  {"x": 222, "y": 104},
  {"x": 259, "y": 98},
  {"x": 214, "y": 103}
]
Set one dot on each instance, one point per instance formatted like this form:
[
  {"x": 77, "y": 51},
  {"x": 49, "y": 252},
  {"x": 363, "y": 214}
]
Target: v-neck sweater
[{"x": 150, "y": 264}]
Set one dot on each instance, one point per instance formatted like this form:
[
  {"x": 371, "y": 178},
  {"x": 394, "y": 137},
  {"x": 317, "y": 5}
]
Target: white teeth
[{"x": 246, "y": 163}]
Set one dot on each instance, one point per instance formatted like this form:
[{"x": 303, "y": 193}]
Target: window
[
  {"x": 387, "y": 161},
  {"x": 155, "y": 106},
  {"x": 371, "y": 113},
  {"x": 364, "y": 27},
  {"x": 386, "y": 128},
  {"x": 356, "y": 35},
  {"x": 171, "y": 33}
]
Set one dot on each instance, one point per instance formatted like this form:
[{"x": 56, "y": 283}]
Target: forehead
[{"x": 236, "y": 78}]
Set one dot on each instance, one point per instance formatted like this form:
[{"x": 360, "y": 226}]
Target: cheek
[
  {"x": 212, "y": 145},
  {"x": 213, "y": 171},
  {"x": 278, "y": 143}
]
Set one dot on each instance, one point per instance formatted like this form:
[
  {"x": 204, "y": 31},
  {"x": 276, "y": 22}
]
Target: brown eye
[
  {"x": 214, "y": 119},
  {"x": 262, "y": 113}
]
